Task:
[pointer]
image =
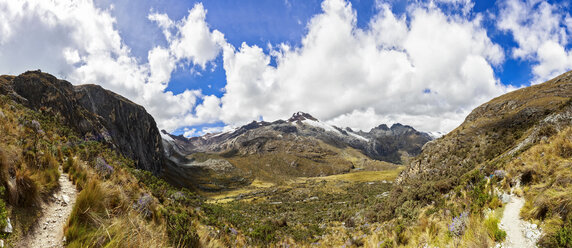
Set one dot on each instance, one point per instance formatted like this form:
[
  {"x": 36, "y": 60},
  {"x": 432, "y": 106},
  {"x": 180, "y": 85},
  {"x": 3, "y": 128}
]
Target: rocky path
[
  {"x": 50, "y": 229},
  {"x": 520, "y": 234}
]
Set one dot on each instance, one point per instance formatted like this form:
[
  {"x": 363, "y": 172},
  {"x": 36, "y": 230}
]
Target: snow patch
[
  {"x": 321, "y": 125},
  {"x": 166, "y": 137},
  {"x": 225, "y": 131},
  {"x": 358, "y": 136}
]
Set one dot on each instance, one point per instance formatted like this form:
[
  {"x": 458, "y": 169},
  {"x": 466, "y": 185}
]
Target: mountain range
[{"x": 299, "y": 146}]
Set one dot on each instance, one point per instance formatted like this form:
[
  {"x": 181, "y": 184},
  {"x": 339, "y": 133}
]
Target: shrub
[
  {"x": 89, "y": 205},
  {"x": 26, "y": 189},
  {"x": 563, "y": 237},
  {"x": 180, "y": 227},
  {"x": 3, "y": 211},
  {"x": 144, "y": 206},
  {"x": 527, "y": 176},
  {"x": 495, "y": 202},
  {"x": 564, "y": 148},
  {"x": 401, "y": 238},
  {"x": 264, "y": 232},
  {"x": 103, "y": 168},
  {"x": 68, "y": 164},
  {"x": 458, "y": 224},
  {"x": 492, "y": 226}
]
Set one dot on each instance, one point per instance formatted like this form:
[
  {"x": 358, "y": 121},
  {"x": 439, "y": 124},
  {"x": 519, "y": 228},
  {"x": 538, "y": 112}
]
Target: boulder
[
  {"x": 505, "y": 198},
  {"x": 8, "y": 228}
]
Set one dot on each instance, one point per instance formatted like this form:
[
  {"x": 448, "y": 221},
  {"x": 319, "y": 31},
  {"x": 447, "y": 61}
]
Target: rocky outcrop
[
  {"x": 94, "y": 113},
  {"x": 128, "y": 125}
]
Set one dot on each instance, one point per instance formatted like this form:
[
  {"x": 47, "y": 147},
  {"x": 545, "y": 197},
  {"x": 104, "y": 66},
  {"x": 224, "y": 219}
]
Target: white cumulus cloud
[
  {"x": 425, "y": 68},
  {"x": 79, "y": 42},
  {"x": 542, "y": 31}
]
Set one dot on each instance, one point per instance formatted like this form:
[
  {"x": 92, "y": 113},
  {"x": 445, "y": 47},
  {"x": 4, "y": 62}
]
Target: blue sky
[
  {"x": 262, "y": 22},
  {"x": 225, "y": 63}
]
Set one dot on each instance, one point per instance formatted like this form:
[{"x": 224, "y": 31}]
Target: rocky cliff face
[{"x": 95, "y": 113}]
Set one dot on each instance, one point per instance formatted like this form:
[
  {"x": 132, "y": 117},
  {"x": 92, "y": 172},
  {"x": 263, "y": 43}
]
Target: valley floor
[{"x": 49, "y": 232}]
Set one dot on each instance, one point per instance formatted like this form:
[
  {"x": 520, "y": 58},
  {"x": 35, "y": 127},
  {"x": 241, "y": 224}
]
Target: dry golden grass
[{"x": 359, "y": 176}]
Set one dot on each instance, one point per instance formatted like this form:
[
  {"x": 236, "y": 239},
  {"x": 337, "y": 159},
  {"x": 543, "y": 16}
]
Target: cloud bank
[{"x": 427, "y": 67}]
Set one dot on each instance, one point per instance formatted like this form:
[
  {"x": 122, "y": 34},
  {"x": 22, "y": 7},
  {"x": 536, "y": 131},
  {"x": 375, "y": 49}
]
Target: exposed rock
[
  {"x": 65, "y": 199},
  {"x": 500, "y": 174},
  {"x": 381, "y": 143},
  {"x": 300, "y": 116},
  {"x": 313, "y": 198},
  {"x": 532, "y": 232},
  {"x": 505, "y": 198}
]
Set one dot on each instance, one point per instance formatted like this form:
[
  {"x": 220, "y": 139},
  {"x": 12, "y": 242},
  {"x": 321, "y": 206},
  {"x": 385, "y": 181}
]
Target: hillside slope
[
  {"x": 47, "y": 124},
  {"x": 520, "y": 138},
  {"x": 93, "y": 112}
]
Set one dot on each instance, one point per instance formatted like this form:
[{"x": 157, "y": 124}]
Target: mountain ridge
[{"x": 301, "y": 146}]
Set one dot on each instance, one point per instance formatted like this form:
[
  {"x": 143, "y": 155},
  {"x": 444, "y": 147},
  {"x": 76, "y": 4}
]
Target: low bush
[
  {"x": 180, "y": 227},
  {"x": 265, "y": 232},
  {"x": 561, "y": 238},
  {"x": 495, "y": 233},
  {"x": 3, "y": 210}
]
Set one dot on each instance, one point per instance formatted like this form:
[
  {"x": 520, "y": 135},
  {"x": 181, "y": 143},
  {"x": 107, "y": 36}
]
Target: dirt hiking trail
[
  {"x": 49, "y": 231},
  {"x": 519, "y": 233}
]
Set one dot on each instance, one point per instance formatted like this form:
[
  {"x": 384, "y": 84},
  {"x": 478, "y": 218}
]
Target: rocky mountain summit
[{"x": 93, "y": 112}]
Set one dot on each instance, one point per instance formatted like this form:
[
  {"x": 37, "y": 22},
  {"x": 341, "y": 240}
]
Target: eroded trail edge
[{"x": 50, "y": 229}]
